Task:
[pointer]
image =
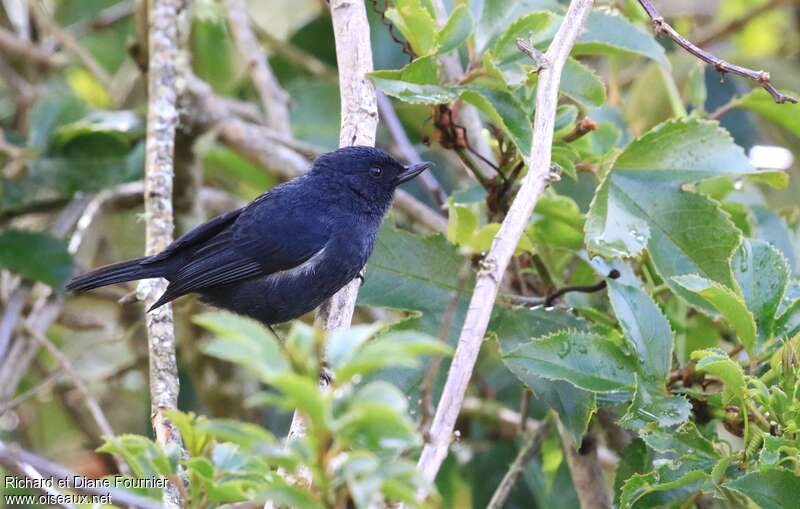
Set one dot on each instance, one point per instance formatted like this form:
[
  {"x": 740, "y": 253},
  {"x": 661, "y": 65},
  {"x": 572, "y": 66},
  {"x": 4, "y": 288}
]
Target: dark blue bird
[{"x": 288, "y": 250}]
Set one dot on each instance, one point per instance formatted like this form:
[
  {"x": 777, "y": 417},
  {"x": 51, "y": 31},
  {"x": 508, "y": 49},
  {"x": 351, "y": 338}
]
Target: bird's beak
[{"x": 411, "y": 171}]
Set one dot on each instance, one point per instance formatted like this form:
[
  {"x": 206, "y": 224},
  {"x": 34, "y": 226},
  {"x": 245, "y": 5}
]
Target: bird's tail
[{"x": 115, "y": 273}]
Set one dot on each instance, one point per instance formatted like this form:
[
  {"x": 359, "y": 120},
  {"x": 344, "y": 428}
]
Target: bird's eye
[{"x": 375, "y": 171}]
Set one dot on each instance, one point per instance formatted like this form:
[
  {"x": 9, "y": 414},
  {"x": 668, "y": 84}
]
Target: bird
[{"x": 284, "y": 253}]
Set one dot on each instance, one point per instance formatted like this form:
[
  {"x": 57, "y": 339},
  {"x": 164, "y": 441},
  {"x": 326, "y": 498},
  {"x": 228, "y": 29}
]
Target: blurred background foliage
[{"x": 70, "y": 132}]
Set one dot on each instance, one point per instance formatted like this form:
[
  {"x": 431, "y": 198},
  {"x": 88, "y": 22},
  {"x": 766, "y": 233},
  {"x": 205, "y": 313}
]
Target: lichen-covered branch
[
  {"x": 273, "y": 97},
  {"x": 359, "y": 119},
  {"x": 162, "y": 117},
  {"x": 721, "y": 66},
  {"x": 504, "y": 244}
]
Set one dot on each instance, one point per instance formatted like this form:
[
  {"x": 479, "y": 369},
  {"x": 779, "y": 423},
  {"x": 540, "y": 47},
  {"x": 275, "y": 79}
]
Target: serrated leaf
[
  {"x": 534, "y": 24},
  {"x": 642, "y": 203},
  {"x": 772, "y": 228},
  {"x": 342, "y": 344},
  {"x": 504, "y": 110},
  {"x": 718, "y": 363},
  {"x": 458, "y": 27},
  {"x": 415, "y": 23},
  {"x": 646, "y": 327},
  {"x": 581, "y": 84},
  {"x": 641, "y": 485},
  {"x": 392, "y": 83},
  {"x": 609, "y": 32},
  {"x": 585, "y": 359},
  {"x": 762, "y": 274},
  {"x": 36, "y": 256},
  {"x": 651, "y": 407},
  {"x": 244, "y": 341},
  {"x": 770, "y": 488},
  {"x": 497, "y": 15},
  {"x": 729, "y": 304},
  {"x": 635, "y": 458}
]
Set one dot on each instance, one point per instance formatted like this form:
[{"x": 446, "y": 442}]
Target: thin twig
[
  {"x": 12, "y": 45},
  {"x": 162, "y": 118},
  {"x": 274, "y": 98},
  {"x": 33, "y": 391},
  {"x": 530, "y": 447},
  {"x": 597, "y": 287},
  {"x": 582, "y": 128},
  {"x": 72, "y": 45},
  {"x": 761, "y": 77},
  {"x": 297, "y": 56},
  {"x": 91, "y": 402},
  {"x": 426, "y": 180},
  {"x": 104, "y": 18},
  {"x": 21, "y": 461},
  {"x": 504, "y": 244},
  {"x": 426, "y": 389}
]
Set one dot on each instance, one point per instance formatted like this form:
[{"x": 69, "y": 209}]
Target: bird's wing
[
  {"x": 265, "y": 238},
  {"x": 196, "y": 236}
]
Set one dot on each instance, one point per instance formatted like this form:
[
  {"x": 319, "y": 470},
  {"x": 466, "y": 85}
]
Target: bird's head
[{"x": 367, "y": 171}]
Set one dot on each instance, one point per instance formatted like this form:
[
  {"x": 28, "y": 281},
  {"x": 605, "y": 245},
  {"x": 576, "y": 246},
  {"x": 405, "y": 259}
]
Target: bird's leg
[
  {"x": 274, "y": 333},
  {"x": 360, "y": 277},
  {"x": 325, "y": 375}
]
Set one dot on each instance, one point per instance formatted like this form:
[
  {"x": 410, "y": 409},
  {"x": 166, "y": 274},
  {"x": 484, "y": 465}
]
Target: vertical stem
[
  {"x": 585, "y": 469},
  {"x": 162, "y": 118},
  {"x": 359, "y": 121},
  {"x": 504, "y": 244}
]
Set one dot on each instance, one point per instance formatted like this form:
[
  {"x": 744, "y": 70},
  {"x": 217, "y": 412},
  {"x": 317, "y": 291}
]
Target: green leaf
[
  {"x": 50, "y": 112},
  {"x": 580, "y": 83},
  {"x": 458, "y": 27},
  {"x": 762, "y": 274},
  {"x": 376, "y": 420},
  {"x": 772, "y": 228},
  {"x": 656, "y": 408},
  {"x": 505, "y": 50},
  {"x": 575, "y": 407},
  {"x": 585, "y": 359},
  {"x": 608, "y": 32},
  {"x": 635, "y": 458},
  {"x": 394, "y": 349},
  {"x": 244, "y": 341},
  {"x": 416, "y": 24},
  {"x": 304, "y": 394},
  {"x": 719, "y": 364},
  {"x": 342, "y": 344},
  {"x": 391, "y": 84},
  {"x": 504, "y": 110},
  {"x": 770, "y": 488},
  {"x": 641, "y": 485},
  {"x": 730, "y": 305},
  {"x": 646, "y": 327},
  {"x": 786, "y": 115},
  {"x": 642, "y": 203},
  {"x": 557, "y": 221},
  {"x": 122, "y": 127},
  {"x": 36, "y": 256},
  {"x": 283, "y": 494},
  {"x": 497, "y": 15}
]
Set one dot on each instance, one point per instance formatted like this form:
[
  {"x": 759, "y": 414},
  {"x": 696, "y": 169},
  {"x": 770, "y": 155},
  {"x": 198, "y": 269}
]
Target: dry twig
[
  {"x": 528, "y": 450},
  {"x": 761, "y": 77},
  {"x": 496, "y": 261}
]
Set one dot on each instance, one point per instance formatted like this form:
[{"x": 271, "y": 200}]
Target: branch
[
  {"x": 587, "y": 477},
  {"x": 67, "y": 40},
  {"x": 91, "y": 402},
  {"x": 468, "y": 114},
  {"x": 27, "y": 51},
  {"x": 162, "y": 117},
  {"x": 496, "y": 261},
  {"x": 274, "y": 99},
  {"x": 426, "y": 180},
  {"x": 28, "y": 464},
  {"x": 761, "y": 77},
  {"x": 528, "y": 450}
]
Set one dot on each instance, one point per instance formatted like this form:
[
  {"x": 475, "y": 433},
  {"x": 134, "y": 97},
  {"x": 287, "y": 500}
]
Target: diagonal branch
[
  {"x": 162, "y": 118},
  {"x": 274, "y": 99},
  {"x": 722, "y": 66},
  {"x": 505, "y": 242}
]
